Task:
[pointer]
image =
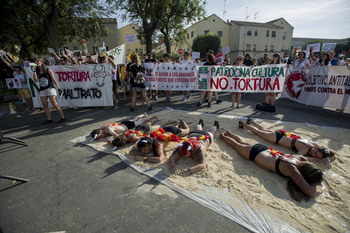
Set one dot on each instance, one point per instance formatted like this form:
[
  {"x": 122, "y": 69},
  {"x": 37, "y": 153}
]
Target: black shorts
[
  {"x": 256, "y": 149},
  {"x": 129, "y": 124},
  {"x": 279, "y": 135},
  {"x": 199, "y": 133},
  {"x": 172, "y": 129}
]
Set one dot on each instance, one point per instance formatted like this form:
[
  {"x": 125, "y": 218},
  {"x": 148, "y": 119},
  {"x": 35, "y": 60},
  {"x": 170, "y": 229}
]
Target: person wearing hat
[{"x": 194, "y": 147}]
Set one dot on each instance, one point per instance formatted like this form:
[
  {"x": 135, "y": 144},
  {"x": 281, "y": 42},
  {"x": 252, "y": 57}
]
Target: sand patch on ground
[{"x": 229, "y": 177}]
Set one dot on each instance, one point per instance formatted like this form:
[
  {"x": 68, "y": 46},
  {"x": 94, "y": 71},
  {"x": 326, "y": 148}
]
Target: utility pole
[{"x": 223, "y": 14}]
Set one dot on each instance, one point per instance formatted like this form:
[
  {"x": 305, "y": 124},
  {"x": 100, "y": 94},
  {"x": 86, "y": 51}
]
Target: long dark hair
[
  {"x": 143, "y": 142},
  {"x": 327, "y": 59},
  {"x": 313, "y": 176}
]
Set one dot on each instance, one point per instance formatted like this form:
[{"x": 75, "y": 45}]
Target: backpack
[{"x": 140, "y": 77}]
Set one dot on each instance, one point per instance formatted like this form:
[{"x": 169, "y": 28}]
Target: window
[
  {"x": 254, "y": 48},
  {"x": 206, "y": 32},
  {"x": 192, "y": 34},
  {"x": 220, "y": 33},
  {"x": 248, "y": 47},
  {"x": 272, "y": 48},
  {"x": 267, "y": 33},
  {"x": 249, "y": 32},
  {"x": 188, "y": 36},
  {"x": 265, "y": 47},
  {"x": 284, "y": 35},
  {"x": 273, "y": 34},
  {"x": 256, "y": 33}
]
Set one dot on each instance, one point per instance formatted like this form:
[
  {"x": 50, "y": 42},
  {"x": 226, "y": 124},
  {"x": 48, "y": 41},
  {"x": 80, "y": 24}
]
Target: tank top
[{"x": 45, "y": 81}]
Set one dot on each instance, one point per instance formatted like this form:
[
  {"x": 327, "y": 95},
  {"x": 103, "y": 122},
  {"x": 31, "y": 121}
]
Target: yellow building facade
[{"x": 256, "y": 39}]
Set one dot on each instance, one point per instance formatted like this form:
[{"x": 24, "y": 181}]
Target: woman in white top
[
  {"x": 323, "y": 61},
  {"x": 302, "y": 62}
]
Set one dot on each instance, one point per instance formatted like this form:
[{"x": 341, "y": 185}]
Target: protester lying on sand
[
  {"x": 151, "y": 149},
  {"x": 113, "y": 129},
  {"x": 303, "y": 176},
  {"x": 140, "y": 132},
  {"x": 195, "y": 147},
  {"x": 302, "y": 147}
]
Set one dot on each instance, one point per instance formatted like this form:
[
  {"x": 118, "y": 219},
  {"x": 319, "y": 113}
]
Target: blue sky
[{"x": 315, "y": 19}]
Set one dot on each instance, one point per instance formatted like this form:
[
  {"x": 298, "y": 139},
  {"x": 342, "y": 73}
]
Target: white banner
[
  {"x": 178, "y": 77},
  {"x": 84, "y": 85},
  {"x": 324, "y": 86},
  {"x": 118, "y": 53}
]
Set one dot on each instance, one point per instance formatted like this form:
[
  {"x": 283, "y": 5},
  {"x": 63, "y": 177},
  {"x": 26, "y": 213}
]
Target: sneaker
[
  {"x": 184, "y": 99},
  {"x": 150, "y": 108},
  {"x": 216, "y": 124},
  {"x": 168, "y": 99},
  {"x": 156, "y": 98},
  {"x": 61, "y": 120},
  {"x": 201, "y": 122},
  {"x": 132, "y": 109},
  {"x": 199, "y": 104},
  {"x": 47, "y": 122},
  {"x": 189, "y": 96},
  {"x": 219, "y": 101}
]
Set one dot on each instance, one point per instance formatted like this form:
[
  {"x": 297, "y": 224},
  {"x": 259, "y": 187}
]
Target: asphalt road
[{"x": 76, "y": 189}]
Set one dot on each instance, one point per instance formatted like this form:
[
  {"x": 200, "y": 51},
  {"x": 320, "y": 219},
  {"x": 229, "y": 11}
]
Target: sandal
[
  {"x": 240, "y": 124},
  {"x": 248, "y": 120}
]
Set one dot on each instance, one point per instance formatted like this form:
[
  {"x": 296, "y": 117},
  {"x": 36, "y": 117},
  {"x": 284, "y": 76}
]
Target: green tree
[
  {"x": 342, "y": 47},
  {"x": 60, "y": 20},
  {"x": 177, "y": 13},
  {"x": 148, "y": 13},
  {"x": 204, "y": 43}
]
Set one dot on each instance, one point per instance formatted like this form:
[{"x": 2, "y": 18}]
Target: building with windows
[{"x": 245, "y": 37}]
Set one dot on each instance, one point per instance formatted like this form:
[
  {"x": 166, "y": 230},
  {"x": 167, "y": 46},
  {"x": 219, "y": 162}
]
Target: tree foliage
[
  {"x": 148, "y": 13},
  {"x": 178, "y": 13},
  {"x": 204, "y": 43},
  {"x": 51, "y": 22}
]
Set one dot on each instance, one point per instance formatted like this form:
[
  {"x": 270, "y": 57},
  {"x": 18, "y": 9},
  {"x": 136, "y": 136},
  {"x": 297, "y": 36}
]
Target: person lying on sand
[
  {"x": 195, "y": 147},
  {"x": 113, "y": 129},
  {"x": 151, "y": 149},
  {"x": 303, "y": 176},
  {"x": 302, "y": 147}
]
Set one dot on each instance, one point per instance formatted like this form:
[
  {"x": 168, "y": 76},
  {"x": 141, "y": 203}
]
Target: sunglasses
[
  {"x": 240, "y": 58},
  {"x": 17, "y": 69}
]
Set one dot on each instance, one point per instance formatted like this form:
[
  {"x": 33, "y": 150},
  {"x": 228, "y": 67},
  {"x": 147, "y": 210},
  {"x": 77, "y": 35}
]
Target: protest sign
[
  {"x": 328, "y": 46},
  {"x": 219, "y": 59},
  {"x": 51, "y": 50},
  {"x": 84, "y": 85},
  {"x": 13, "y": 83},
  {"x": 226, "y": 50},
  {"x": 130, "y": 38},
  {"x": 196, "y": 55},
  {"x": 325, "y": 86},
  {"x": 103, "y": 51},
  {"x": 315, "y": 47},
  {"x": 118, "y": 53}
]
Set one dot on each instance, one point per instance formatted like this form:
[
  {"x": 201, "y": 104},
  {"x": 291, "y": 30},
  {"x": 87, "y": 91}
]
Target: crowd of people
[
  {"x": 148, "y": 139},
  {"x": 126, "y": 75}
]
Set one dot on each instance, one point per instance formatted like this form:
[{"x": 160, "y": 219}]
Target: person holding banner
[
  {"x": 195, "y": 147},
  {"x": 324, "y": 60},
  {"x": 303, "y": 176},
  {"x": 239, "y": 62},
  {"x": 302, "y": 62},
  {"x": 211, "y": 61},
  {"x": 136, "y": 71},
  {"x": 334, "y": 61},
  {"x": 302, "y": 147},
  {"x": 270, "y": 97},
  {"x": 186, "y": 60},
  {"x": 47, "y": 89},
  {"x": 23, "y": 90}
]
